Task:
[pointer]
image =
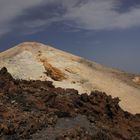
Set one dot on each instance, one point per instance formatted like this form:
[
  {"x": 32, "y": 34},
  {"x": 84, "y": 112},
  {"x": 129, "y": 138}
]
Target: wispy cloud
[
  {"x": 9, "y": 10},
  {"x": 102, "y": 14},
  {"x": 84, "y": 14}
]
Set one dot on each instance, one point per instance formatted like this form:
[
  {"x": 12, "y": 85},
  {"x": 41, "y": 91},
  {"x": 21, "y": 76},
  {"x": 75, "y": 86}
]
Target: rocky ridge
[{"x": 38, "y": 110}]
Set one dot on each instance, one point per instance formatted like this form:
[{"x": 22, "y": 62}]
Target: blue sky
[{"x": 106, "y": 31}]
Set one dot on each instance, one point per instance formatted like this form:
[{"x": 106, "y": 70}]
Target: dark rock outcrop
[{"x": 28, "y": 108}]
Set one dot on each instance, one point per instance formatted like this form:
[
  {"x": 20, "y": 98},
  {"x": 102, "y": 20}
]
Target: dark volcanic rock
[{"x": 39, "y": 111}]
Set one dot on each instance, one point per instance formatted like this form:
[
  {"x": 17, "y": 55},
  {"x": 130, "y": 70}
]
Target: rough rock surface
[
  {"x": 37, "y": 110},
  {"x": 137, "y": 80},
  {"x": 53, "y": 72}
]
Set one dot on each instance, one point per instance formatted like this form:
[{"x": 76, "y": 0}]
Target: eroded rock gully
[{"x": 37, "y": 110}]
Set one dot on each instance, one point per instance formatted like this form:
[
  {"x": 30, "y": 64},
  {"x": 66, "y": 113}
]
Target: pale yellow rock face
[
  {"x": 137, "y": 80},
  {"x": 35, "y": 61}
]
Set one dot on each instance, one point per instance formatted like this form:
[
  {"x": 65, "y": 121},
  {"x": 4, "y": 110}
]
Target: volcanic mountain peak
[{"x": 36, "y": 61}]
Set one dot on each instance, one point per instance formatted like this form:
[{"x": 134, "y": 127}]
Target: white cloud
[
  {"x": 128, "y": 19},
  {"x": 102, "y": 14},
  {"x": 85, "y": 14},
  {"x": 11, "y": 9}
]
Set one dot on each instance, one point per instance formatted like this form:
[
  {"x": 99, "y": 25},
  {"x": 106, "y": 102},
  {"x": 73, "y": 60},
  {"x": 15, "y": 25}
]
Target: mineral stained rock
[{"x": 37, "y": 110}]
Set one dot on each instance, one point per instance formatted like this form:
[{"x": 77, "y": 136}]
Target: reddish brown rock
[{"x": 29, "y": 107}]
